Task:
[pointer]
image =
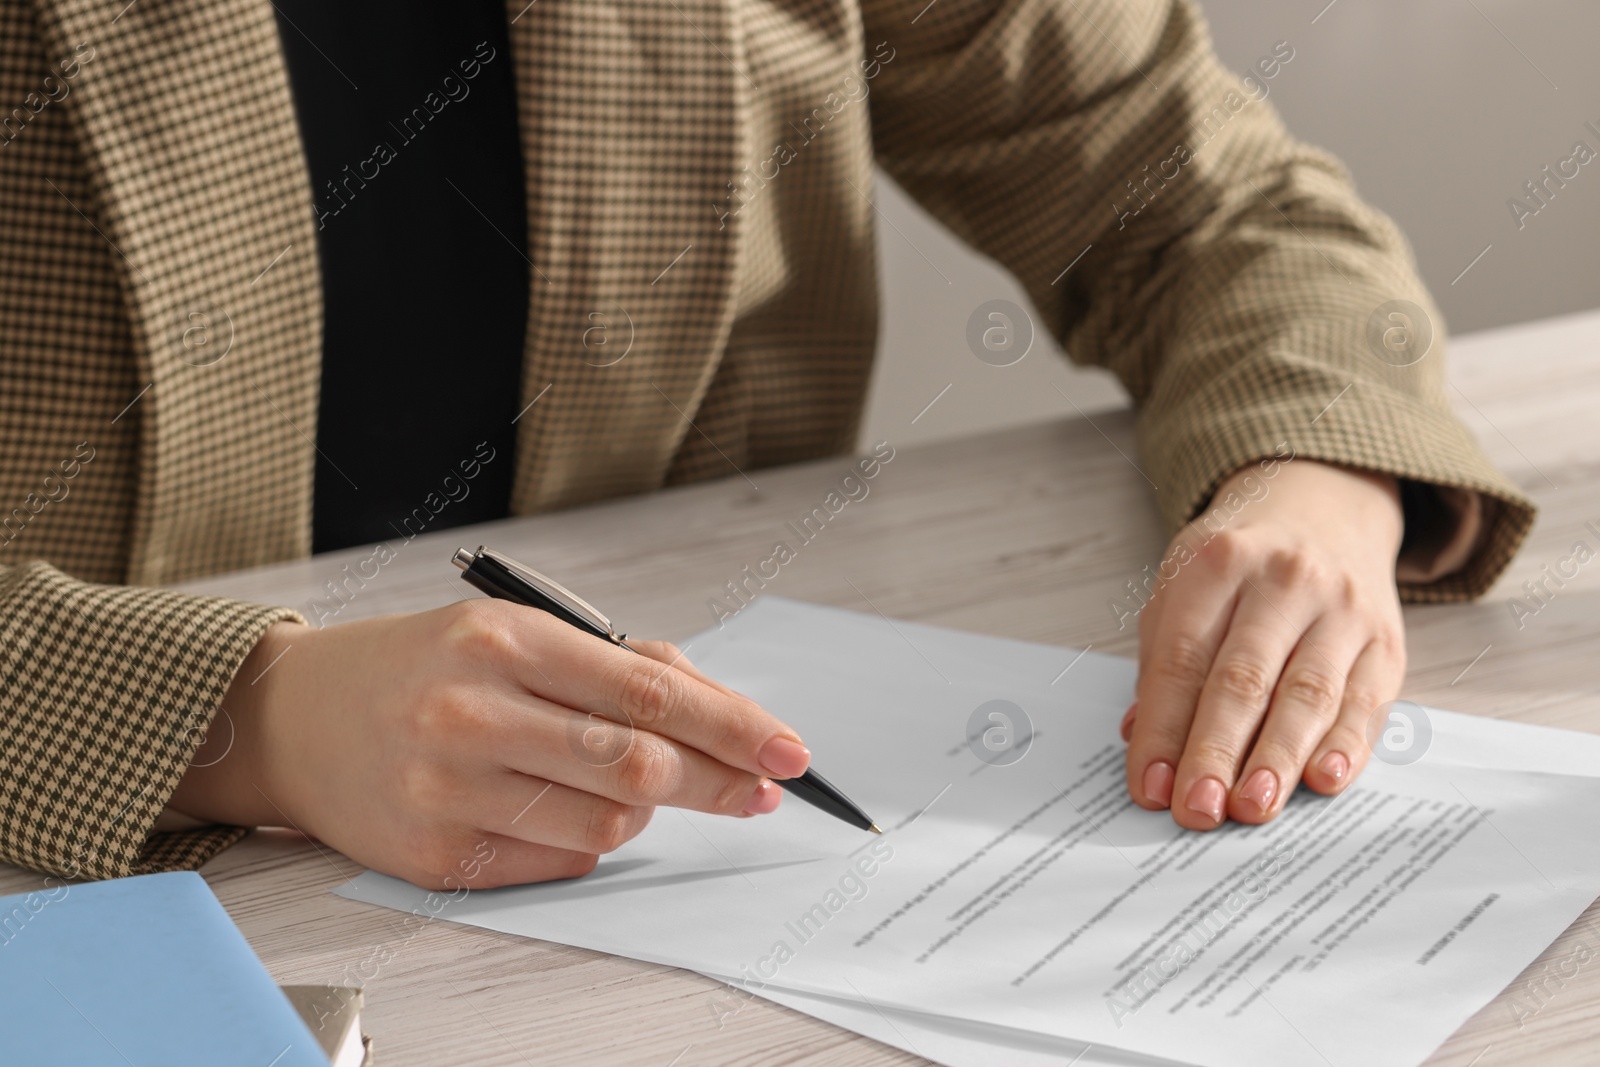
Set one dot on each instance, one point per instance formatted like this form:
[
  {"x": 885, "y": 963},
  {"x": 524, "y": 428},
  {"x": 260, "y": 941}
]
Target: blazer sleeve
[
  {"x": 1229, "y": 275},
  {"x": 105, "y": 694}
]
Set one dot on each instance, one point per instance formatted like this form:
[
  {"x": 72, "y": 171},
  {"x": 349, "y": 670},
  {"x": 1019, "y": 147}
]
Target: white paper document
[{"x": 1022, "y": 910}]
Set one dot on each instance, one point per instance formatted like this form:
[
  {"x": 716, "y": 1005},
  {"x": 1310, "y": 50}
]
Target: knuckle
[
  {"x": 1157, "y": 740},
  {"x": 477, "y": 629},
  {"x": 422, "y": 786},
  {"x": 1227, "y": 551},
  {"x": 1292, "y": 568},
  {"x": 727, "y": 733},
  {"x": 610, "y": 826},
  {"x": 1361, "y": 700},
  {"x": 442, "y": 716},
  {"x": 647, "y": 693},
  {"x": 1183, "y": 662},
  {"x": 599, "y": 741},
  {"x": 1285, "y": 751},
  {"x": 644, "y": 775},
  {"x": 1280, "y": 756},
  {"x": 1213, "y": 755},
  {"x": 1313, "y": 689},
  {"x": 1244, "y": 681}
]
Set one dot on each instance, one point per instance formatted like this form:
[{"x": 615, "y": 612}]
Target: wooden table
[{"x": 1026, "y": 533}]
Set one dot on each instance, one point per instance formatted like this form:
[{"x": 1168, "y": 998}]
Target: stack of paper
[{"x": 1021, "y": 909}]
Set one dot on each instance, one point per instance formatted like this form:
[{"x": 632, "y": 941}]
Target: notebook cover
[{"x": 144, "y": 970}]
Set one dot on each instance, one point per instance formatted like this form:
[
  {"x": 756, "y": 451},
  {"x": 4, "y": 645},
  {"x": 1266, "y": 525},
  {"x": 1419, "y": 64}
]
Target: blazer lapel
[
  {"x": 631, "y": 119},
  {"x": 190, "y": 140}
]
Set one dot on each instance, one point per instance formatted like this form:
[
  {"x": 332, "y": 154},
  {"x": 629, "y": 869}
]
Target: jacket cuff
[
  {"x": 108, "y": 692},
  {"x": 1453, "y": 486},
  {"x": 1444, "y": 527},
  {"x": 184, "y": 851}
]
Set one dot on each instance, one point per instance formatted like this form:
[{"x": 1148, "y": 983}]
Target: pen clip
[{"x": 554, "y": 590}]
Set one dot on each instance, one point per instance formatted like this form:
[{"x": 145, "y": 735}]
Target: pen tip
[{"x": 875, "y": 828}]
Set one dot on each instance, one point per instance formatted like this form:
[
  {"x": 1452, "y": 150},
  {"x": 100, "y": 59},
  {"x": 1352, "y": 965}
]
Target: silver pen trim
[{"x": 544, "y": 584}]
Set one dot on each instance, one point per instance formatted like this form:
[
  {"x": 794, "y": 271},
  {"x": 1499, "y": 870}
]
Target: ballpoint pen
[{"x": 506, "y": 579}]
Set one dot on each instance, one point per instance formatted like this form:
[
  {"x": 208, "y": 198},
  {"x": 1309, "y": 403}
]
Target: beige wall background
[{"x": 1441, "y": 109}]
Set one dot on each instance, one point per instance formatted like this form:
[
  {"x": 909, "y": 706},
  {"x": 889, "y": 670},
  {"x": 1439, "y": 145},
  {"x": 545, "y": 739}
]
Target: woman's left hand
[{"x": 1273, "y": 636}]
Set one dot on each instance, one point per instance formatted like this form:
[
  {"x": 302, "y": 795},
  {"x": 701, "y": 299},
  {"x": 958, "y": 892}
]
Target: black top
[{"x": 408, "y": 116}]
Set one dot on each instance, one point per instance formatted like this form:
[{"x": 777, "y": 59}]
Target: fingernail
[
  {"x": 785, "y": 758},
  {"x": 1335, "y": 765},
  {"x": 1260, "y": 789},
  {"x": 764, "y": 800},
  {"x": 1158, "y": 783},
  {"x": 1127, "y": 720},
  {"x": 1206, "y": 797}
]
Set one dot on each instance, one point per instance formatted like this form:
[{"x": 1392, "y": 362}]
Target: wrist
[
  {"x": 1323, "y": 496},
  {"x": 1375, "y": 501},
  {"x": 231, "y": 777}
]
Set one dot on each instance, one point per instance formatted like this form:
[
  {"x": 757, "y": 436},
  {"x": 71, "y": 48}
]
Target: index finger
[
  {"x": 634, "y": 689},
  {"x": 1176, "y": 649}
]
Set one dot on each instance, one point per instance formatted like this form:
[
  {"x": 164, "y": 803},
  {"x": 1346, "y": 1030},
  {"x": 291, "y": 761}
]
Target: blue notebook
[{"x": 144, "y": 971}]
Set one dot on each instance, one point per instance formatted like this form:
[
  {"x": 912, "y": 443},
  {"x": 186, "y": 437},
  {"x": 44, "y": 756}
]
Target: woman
[{"x": 289, "y": 278}]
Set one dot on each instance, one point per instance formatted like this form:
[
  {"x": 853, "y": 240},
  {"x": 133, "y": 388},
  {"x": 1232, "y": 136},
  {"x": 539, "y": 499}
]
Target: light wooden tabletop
[{"x": 1026, "y": 533}]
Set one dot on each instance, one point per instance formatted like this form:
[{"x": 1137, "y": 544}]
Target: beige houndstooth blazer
[{"x": 152, "y": 185}]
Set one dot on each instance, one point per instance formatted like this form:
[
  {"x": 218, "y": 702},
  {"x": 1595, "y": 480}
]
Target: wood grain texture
[{"x": 1027, "y": 533}]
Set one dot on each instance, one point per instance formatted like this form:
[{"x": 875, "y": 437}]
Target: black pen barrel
[{"x": 817, "y": 791}]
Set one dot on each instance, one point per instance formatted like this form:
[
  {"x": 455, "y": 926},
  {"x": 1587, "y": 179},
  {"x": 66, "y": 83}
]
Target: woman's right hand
[{"x": 422, "y": 745}]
